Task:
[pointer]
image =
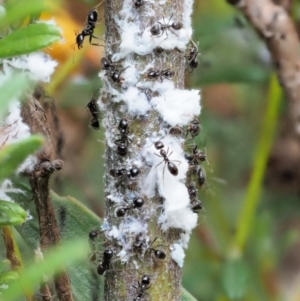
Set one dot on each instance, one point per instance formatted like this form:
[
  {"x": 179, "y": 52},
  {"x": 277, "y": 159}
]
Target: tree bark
[{"x": 122, "y": 281}]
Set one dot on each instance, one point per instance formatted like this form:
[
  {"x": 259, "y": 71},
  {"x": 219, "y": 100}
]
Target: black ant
[
  {"x": 138, "y": 3},
  {"x": 106, "y": 64},
  {"x": 155, "y": 74},
  {"x": 157, "y": 253},
  {"x": 193, "y": 193},
  {"x": 164, "y": 154},
  {"x": 197, "y": 155},
  {"x": 159, "y": 28},
  {"x": 193, "y": 128},
  {"x": 192, "y": 56},
  {"x": 122, "y": 143},
  {"x": 125, "y": 174},
  {"x": 138, "y": 243},
  {"x": 115, "y": 75},
  {"x": 92, "y": 236},
  {"x": 143, "y": 285},
  {"x": 200, "y": 176},
  {"x": 93, "y": 108},
  {"x": 106, "y": 259},
  {"x": 176, "y": 131},
  {"x": 88, "y": 31},
  {"x": 136, "y": 203}
]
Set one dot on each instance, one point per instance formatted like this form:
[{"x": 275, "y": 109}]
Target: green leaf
[
  {"x": 11, "y": 214},
  {"x": 186, "y": 296},
  {"x": 28, "y": 39},
  {"x": 234, "y": 278},
  {"x": 9, "y": 91},
  {"x": 7, "y": 277},
  {"x": 4, "y": 266},
  {"x": 75, "y": 221},
  {"x": 54, "y": 261},
  {"x": 12, "y": 155},
  {"x": 18, "y": 10}
]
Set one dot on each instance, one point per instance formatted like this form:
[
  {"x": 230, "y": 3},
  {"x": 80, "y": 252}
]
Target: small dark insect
[
  {"x": 88, "y": 31},
  {"x": 94, "y": 234},
  {"x": 125, "y": 175},
  {"x": 192, "y": 56},
  {"x": 201, "y": 176},
  {"x": 157, "y": 253},
  {"x": 193, "y": 128},
  {"x": 93, "y": 108},
  {"x": 160, "y": 28},
  {"x": 115, "y": 75},
  {"x": 160, "y": 74},
  {"x": 164, "y": 154},
  {"x": 193, "y": 194},
  {"x": 196, "y": 206},
  {"x": 106, "y": 259},
  {"x": 139, "y": 243},
  {"x": 143, "y": 285},
  {"x": 176, "y": 131},
  {"x": 138, "y": 3},
  {"x": 106, "y": 64},
  {"x": 123, "y": 142},
  {"x": 197, "y": 155},
  {"x": 137, "y": 203}
]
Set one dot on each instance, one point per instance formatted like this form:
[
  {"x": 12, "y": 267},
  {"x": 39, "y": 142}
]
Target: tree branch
[
  {"x": 278, "y": 31},
  {"x": 33, "y": 114}
]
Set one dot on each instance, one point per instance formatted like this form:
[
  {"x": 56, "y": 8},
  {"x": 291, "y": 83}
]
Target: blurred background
[{"x": 237, "y": 87}]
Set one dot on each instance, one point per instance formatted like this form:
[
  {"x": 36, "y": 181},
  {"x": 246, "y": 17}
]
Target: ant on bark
[
  {"x": 165, "y": 155},
  {"x": 160, "y": 28}
]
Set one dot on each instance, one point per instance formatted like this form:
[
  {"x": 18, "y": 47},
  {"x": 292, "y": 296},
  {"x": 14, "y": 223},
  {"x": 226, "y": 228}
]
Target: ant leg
[
  {"x": 95, "y": 37},
  {"x": 177, "y": 161},
  {"x": 159, "y": 163},
  {"x": 164, "y": 173},
  {"x": 95, "y": 44}
]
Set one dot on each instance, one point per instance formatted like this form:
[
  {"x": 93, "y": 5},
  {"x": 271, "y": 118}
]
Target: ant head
[
  {"x": 152, "y": 74},
  {"x": 160, "y": 254},
  {"x": 120, "y": 212},
  {"x": 159, "y": 144},
  {"x": 138, "y": 3},
  {"x": 194, "y": 64},
  {"x": 105, "y": 63},
  {"x": 145, "y": 279},
  {"x": 134, "y": 172},
  {"x": 95, "y": 124},
  {"x": 123, "y": 125},
  {"x": 138, "y": 202},
  {"x": 79, "y": 40},
  {"x": 155, "y": 30},
  {"x": 108, "y": 254}
]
